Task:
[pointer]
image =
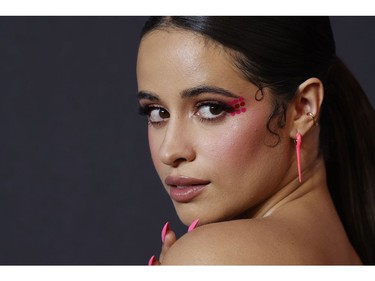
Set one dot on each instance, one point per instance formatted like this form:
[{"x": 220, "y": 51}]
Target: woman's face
[{"x": 213, "y": 158}]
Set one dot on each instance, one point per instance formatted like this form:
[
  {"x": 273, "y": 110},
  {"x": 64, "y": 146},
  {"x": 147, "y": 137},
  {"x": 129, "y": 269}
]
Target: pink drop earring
[{"x": 298, "y": 152}]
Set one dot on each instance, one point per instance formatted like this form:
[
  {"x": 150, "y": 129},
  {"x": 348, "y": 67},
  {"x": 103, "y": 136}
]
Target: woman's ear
[{"x": 305, "y": 107}]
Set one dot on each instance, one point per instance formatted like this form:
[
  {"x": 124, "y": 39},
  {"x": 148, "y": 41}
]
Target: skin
[{"x": 254, "y": 211}]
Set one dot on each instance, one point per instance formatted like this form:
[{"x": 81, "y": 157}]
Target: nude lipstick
[{"x": 184, "y": 189}]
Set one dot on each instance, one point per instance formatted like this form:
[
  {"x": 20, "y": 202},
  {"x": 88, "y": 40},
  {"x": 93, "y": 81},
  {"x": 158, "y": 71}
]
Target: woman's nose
[{"x": 176, "y": 146}]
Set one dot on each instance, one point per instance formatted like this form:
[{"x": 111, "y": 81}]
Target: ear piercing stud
[{"x": 313, "y": 118}]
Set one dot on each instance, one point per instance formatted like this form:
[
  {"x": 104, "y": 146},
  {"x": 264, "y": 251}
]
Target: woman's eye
[
  {"x": 158, "y": 114},
  {"x": 211, "y": 110}
]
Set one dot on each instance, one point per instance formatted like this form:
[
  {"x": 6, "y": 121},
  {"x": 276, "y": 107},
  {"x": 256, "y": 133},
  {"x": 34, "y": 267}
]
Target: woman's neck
[{"x": 314, "y": 178}]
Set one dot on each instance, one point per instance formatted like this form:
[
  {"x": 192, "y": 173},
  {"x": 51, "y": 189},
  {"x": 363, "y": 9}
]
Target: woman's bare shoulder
[{"x": 255, "y": 241}]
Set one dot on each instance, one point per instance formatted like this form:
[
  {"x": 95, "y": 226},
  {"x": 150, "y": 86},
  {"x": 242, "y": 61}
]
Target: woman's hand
[{"x": 168, "y": 238}]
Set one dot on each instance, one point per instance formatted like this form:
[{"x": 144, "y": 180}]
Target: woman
[{"x": 262, "y": 138}]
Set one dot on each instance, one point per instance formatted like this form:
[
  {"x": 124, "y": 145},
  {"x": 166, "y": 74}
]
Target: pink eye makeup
[
  {"x": 205, "y": 111},
  {"x": 237, "y": 105}
]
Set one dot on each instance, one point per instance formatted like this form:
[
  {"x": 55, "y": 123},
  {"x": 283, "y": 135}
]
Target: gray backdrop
[{"x": 77, "y": 185}]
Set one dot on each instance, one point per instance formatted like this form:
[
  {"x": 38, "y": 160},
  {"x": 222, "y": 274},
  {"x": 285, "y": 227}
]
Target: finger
[
  {"x": 153, "y": 261},
  {"x": 170, "y": 239},
  {"x": 164, "y": 231}
]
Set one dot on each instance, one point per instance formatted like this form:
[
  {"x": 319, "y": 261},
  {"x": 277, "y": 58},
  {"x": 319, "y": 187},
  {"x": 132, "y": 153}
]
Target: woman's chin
[{"x": 187, "y": 217}]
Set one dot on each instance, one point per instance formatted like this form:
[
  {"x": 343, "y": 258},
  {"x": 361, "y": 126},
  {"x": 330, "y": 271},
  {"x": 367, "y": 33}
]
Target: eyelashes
[
  {"x": 207, "y": 111},
  {"x": 213, "y": 111},
  {"x": 155, "y": 114}
]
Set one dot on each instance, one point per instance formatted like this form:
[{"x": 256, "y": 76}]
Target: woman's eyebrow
[
  {"x": 193, "y": 92},
  {"x": 148, "y": 96},
  {"x": 189, "y": 93}
]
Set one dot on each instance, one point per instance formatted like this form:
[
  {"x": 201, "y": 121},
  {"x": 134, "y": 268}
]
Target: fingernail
[
  {"x": 152, "y": 260},
  {"x": 164, "y": 231},
  {"x": 193, "y": 225}
]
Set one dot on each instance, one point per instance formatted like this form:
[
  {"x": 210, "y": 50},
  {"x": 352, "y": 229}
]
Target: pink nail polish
[
  {"x": 152, "y": 260},
  {"x": 164, "y": 231},
  {"x": 193, "y": 225}
]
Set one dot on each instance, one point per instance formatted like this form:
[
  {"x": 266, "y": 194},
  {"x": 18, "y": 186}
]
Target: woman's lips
[{"x": 184, "y": 189}]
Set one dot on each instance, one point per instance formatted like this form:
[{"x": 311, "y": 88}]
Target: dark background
[{"x": 77, "y": 185}]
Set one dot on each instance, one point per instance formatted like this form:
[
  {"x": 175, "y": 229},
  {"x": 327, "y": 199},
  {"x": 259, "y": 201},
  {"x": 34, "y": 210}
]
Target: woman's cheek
[{"x": 233, "y": 146}]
